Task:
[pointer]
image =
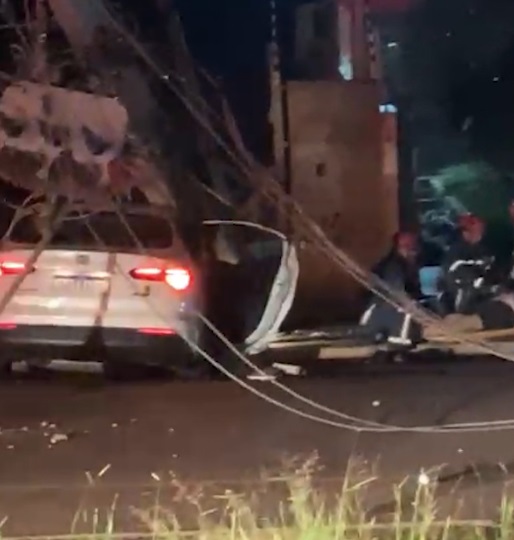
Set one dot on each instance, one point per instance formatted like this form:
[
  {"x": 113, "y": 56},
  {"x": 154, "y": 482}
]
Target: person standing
[{"x": 498, "y": 312}]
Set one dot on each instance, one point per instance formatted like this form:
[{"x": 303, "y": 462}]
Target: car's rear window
[{"x": 152, "y": 232}]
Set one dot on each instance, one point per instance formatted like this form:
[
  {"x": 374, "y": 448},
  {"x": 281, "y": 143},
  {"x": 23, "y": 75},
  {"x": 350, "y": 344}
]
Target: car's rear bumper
[{"x": 152, "y": 346}]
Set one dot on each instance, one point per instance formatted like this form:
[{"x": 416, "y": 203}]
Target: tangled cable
[
  {"x": 346, "y": 421},
  {"x": 272, "y": 191},
  {"x": 263, "y": 182}
]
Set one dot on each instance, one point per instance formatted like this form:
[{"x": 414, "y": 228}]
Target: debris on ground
[{"x": 58, "y": 437}]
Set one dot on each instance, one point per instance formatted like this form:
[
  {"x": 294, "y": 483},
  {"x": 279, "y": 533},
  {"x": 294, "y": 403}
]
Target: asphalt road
[{"x": 218, "y": 435}]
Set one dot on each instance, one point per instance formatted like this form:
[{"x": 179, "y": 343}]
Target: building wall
[
  {"x": 316, "y": 47},
  {"x": 340, "y": 38},
  {"x": 342, "y": 179}
]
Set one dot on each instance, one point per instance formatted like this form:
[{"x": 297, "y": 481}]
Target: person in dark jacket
[
  {"x": 498, "y": 311},
  {"x": 399, "y": 269},
  {"x": 466, "y": 270}
]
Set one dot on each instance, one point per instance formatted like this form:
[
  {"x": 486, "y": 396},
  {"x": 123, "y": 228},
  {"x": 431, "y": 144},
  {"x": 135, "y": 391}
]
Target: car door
[{"x": 264, "y": 269}]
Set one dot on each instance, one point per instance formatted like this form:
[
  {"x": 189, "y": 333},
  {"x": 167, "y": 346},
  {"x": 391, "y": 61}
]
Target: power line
[
  {"x": 269, "y": 188},
  {"x": 366, "y": 425},
  {"x": 311, "y": 230}
]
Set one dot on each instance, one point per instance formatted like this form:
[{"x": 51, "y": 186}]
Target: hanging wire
[
  {"x": 342, "y": 260},
  {"x": 270, "y": 188},
  {"x": 352, "y": 422}
]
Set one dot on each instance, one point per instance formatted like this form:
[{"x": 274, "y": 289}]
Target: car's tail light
[
  {"x": 156, "y": 331},
  {"x": 177, "y": 278},
  {"x": 148, "y": 274},
  {"x": 12, "y": 268},
  {"x": 7, "y": 326}
]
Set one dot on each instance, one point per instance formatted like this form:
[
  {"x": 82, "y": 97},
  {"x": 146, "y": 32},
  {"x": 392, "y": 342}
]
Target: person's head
[
  {"x": 472, "y": 228},
  {"x": 406, "y": 245}
]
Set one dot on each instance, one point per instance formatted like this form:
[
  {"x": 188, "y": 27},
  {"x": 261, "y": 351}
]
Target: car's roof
[
  {"x": 141, "y": 209},
  {"x": 165, "y": 212}
]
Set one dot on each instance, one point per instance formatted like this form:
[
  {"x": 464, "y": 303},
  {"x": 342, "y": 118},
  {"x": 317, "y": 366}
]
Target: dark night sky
[
  {"x": 457, "y": 55},
  {"x": 460, "y": 56},
  {"x": 229, "y": 39}
]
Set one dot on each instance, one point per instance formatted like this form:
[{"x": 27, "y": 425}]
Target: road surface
[{"x": 219, "y": 435}]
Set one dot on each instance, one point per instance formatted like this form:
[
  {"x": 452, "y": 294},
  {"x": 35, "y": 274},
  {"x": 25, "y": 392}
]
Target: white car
[{"x": 92, "y": 294}]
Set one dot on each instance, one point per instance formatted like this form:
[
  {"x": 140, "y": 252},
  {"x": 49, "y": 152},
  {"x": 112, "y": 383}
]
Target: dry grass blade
[{"x": 299, "y": 512}]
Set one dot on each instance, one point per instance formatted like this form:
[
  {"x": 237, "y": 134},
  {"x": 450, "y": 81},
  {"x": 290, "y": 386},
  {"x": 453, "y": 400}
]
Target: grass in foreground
[{"x": 302, "y": 511}]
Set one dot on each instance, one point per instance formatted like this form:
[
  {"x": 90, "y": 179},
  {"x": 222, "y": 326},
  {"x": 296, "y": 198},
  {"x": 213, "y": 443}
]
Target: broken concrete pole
[{"x": 98, "y": 44}]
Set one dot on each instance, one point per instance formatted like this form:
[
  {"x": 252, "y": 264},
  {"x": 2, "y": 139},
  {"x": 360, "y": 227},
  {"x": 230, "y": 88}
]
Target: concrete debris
[
  {"x": 94, "y": 133},
  {"x": 58, "y": 437},
  {"x": 265, "y": 375},
  {"x": 289, "y": 369}
]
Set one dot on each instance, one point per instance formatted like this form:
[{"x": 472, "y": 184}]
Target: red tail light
[
  {"x": 7, "y": 326},
  {"x": 177, "y": 278},
  {"x": 148, "y": 274},
  {"x": 156, "y": 331},
  {"x": 11, "y": 268}
]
